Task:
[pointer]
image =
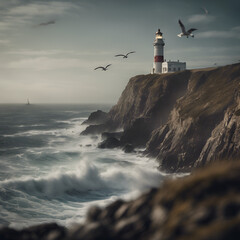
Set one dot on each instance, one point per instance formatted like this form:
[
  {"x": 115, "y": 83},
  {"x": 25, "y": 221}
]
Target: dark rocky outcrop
[
  {"x": 106, "y": 135},
  {"x": 97, "y": 117},
  {"x": 202, "y": 206},
  {"x": 110, "y": 142},
  {"x": 185, "y": 119},
  {"x": 109, "y": 126}
]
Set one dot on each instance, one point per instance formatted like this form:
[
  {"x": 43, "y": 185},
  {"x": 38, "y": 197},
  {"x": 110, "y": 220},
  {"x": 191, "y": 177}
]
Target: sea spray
[{"x": 49, "y": 172}]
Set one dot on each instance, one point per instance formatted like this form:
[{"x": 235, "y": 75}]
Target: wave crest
[{"x": 86, "y": 178}]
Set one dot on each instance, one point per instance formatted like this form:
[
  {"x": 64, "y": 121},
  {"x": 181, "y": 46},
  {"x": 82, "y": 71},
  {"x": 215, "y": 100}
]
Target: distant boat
[{"x": 28, "y": 102}]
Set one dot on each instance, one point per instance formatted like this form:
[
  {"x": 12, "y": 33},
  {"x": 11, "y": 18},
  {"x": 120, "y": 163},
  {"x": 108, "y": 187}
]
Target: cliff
[
  {"x": 184, "y": 119},
  {"x": 204, "y": 124},
  {"x": 202, "y": 206}
]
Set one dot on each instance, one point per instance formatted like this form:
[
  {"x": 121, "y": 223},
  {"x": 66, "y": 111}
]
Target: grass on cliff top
[{"x": 210, "y": 91}]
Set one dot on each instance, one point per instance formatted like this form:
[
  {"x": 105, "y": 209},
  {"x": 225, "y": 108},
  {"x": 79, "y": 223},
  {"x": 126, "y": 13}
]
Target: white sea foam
[
  {"x": 75, "y": 123},
  {"x": 60, "y": 179},
  {"x": 65, "y": 194},
  {"x": 87, "y": 177},
  {"x": 31, "y": 125}
]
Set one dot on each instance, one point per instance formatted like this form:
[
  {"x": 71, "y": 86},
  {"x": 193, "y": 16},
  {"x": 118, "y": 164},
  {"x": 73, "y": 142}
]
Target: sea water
[{"x": 51, "y": 173}]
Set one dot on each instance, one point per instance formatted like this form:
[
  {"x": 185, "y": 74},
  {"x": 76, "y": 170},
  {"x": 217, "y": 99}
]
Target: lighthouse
[
  {"x": 159, "y": 64},
  {"x": 158, "y": 52}
]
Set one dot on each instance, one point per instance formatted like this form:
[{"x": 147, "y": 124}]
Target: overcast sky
[{"x": 49, "y": 48}]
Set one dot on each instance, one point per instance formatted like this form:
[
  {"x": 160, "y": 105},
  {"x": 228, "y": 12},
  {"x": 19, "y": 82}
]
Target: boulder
[{"x": 98, "y": 117}]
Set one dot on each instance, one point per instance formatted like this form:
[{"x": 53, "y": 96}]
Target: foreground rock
[
  {"x": 50, "y": 231},
  {"x": 203, "y": 206}
]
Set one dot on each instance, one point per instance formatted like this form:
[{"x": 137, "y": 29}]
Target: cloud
[
  {"x": 211, "y": 61},
  {"x": 209, "y": 50},
  {"x": 47, "y": 23},
  {"x": 22, "y": 15},
  {"x": 42, "y": 9},
  {"x": 232, "y": 33},
  {"x": 237, "y": 28},
  {"x": 5, "y": 25},
  {"x": 7, "y": 4},
  {"x": 29, "y": 52},
  {"x": 46, "y": 63},
  {"x": 58, "y": 52},
  {"x": 201, "y": 18},
  {"x": 52, "y": 60},
  {"x": 4, "y": 42}
]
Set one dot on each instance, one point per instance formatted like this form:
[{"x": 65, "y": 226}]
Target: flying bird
[
  {"x": 103, "y": 68},
  {"x": 184, "y": 32},
  {"x": 205, "y": 10},
  {"x": 124, "y": 56},
  {"x": 47, "y": 23}
]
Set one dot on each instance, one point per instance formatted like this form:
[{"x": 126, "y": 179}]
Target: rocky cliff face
[
  {"x": 202, "y": 206},
  {"x": 185, "y": 119},
  {"x": 149, "y": 96},
  {"x": 203, "y": 124}
]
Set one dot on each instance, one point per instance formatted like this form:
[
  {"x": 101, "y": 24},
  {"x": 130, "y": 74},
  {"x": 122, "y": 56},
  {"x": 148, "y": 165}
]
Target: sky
[{"x": 49, "y": 48}]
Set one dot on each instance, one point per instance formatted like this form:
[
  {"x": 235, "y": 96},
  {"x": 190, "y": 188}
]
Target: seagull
[
  {"x": 205, "y": 10},
  {"x": 124, "y": 56},
  {"x": 103, "y": 68},
  {"x": 184, "y": 32}
]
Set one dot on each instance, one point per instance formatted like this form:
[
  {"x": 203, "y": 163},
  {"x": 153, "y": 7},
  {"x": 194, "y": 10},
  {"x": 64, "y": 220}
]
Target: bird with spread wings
[
  {"x": 103, "y": 68},
  {"x": 124, "y": 55},
  {"x": 184, "y": 32}
]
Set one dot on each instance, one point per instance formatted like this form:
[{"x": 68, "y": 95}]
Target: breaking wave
[
  {"x": 87, "y": 178},
  {"x": 49, "y": 172}
]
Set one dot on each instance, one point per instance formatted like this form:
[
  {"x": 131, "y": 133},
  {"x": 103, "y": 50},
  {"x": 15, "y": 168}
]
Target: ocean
[{"x": 51, "y": 173}]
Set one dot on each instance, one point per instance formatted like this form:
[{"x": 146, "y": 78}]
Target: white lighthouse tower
[{"x": 158, "y": 52}]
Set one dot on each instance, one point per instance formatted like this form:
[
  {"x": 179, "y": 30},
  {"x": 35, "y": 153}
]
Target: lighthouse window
[
  {"x": 179, "y": 69},
  {"x": 174, "y": 69},
  {"x": 170, "y": 69}
]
